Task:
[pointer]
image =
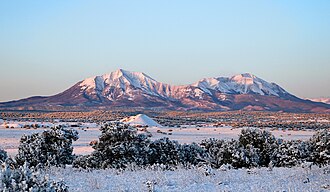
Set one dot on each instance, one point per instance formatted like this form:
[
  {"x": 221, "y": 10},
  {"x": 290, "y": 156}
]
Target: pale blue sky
[{"x": 47, "y": 46}]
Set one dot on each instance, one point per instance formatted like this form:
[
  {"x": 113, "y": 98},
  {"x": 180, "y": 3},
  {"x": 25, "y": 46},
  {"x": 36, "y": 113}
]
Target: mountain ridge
[{"x": 125, "y": 89}]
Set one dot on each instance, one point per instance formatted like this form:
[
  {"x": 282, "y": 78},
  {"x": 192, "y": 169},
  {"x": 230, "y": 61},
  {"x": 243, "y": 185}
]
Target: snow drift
[{"x": 141, "y": 119}]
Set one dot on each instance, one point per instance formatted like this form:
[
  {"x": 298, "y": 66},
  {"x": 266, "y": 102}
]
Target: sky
[{"x": 48, "y": 46}]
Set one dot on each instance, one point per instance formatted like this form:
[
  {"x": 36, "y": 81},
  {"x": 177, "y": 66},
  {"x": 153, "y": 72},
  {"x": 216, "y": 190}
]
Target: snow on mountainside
[
  {"x": 125, "y": 89},
  {"x": 127, "y": 82},
  {"x": 322, "y": 100},
  {"x": 240, "y": 84}
]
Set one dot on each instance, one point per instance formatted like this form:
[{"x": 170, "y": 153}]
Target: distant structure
[{"x": 140, "y": 120}]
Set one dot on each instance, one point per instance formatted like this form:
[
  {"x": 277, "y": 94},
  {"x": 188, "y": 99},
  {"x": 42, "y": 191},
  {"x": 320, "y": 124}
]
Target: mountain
[
  {"x": 322, "y": 100},
  {"x": 125, "y": 89}
]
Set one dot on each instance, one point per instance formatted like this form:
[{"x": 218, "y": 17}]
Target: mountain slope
[
  {"x": 322, "y": 100},
  {"x": 124, "y": 89}
]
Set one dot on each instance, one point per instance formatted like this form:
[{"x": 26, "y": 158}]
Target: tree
[
  {"x": 3, "y": 155},
  {"x": 320, "y": 147},
  {"x": 164, "y": 151},
  {"x": 263, "y": 141},
  {"x": 291, "y": 153},
  {"x": 223, "y": 152},
  {"x": 191, "y": 154},
  {"x": 50, "y": 148},
  {"x": 24, "y": 179},
  {"x": 118, "y": 146}
]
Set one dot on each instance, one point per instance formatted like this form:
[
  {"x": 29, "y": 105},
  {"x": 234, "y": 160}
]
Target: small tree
[
  {"x": 230, "y": 152},
  {"x": 263, "y": 141},
  {"x": 92, "y": 161},
  {"x": 320, "y": 147},
  {"x": 50, "y": 148},
  {"x": 118, "y": 146},
  {"x": 291, "y": 153},
  {"x": 218, "y": 151},
  {"x": 164, "y": 151},
  {"x": 24, "y": 179},
  {"x": 191, "y": 154},
  {"x": 3, "y": 155}
]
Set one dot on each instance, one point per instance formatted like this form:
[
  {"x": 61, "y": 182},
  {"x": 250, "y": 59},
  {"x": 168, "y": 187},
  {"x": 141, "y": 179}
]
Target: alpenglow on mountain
[{"x": 125, "y": 89}]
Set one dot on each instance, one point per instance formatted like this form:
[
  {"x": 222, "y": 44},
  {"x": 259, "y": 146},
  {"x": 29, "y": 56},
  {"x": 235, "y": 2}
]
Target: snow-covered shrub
[
  {"x": 92, "y": 161},
  {"x": 291, "y": 153},
  {"x": 263, "y": 142},
  {"x": 320, "y": 147},
  {"x": 3, "y": 155},
  {"x": 164, "y": 151},
  {"x": 50, "y": 148},
  {"x": 222, "y": 152},
  {"x": 247, "y": 156},
  {"x": 219, "y": 152},
  {"x": 191, "y": 154},
  {"x": 24, "y": 179},
  {"x": 118, "y": 146}
]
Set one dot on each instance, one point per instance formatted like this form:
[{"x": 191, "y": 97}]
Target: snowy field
[
  {"x": 197, "y": 134},
  {"x": 194, "y": 180},
  {"x": 9, "y": 137},
  {"x": 180, "y": 180}
]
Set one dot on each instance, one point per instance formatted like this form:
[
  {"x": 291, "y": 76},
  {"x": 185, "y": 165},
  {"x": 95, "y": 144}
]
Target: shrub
[
  {"x": 3, "y": 155},
  {"x": 263, "y": 141},
  {"x": 164, "y": 151},
  {"x": 191, "y": 154},
  {"x": 24, "y": 179},
  {"x": 320, "y": 147},
  {"x": 49, "y": 148},
  {"x": 119, "y": 146},
  {"x": 223, "y": 152},
  {"x": 291, "y": 153},
  {"x": 92, "y": 161},
  {"x": 219, "y": 152}
]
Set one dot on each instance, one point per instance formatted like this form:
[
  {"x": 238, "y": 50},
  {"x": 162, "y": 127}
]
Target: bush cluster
[
  {"x": 119, "y": 145},
  {"x": 320, "y": 148},
  {"x": 256, "y": 148},
  {"x": 50, "y": 148},
  {"x": 25, "y": 179},
  {"x": 3, "y": 155}
]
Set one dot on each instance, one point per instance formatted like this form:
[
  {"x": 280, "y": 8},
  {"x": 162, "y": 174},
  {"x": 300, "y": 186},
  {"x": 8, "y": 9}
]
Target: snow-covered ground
[
  {"x": 9, "y": 137},
  {"x": 180, "y": 180},
  {"x": 21, "y": 124},
  {"x": 194, "y": 179},
  {"x": 197, "y": 134}
]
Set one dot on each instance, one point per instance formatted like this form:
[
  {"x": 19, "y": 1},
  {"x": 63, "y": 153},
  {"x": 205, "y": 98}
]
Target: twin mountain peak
[{"x": 125, "y": 89}]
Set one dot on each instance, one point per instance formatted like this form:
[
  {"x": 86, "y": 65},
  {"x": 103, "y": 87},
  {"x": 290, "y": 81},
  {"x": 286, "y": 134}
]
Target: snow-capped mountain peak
[
  {"x": 127, "y": 89},
  {"x": 128, "y": 81},
  {"x": 119, "y": 78},
  {"x": 240, "y": 84},
  {"x": 122, "y": 82},
  {"x": 245, "y": 78}
]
